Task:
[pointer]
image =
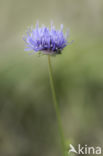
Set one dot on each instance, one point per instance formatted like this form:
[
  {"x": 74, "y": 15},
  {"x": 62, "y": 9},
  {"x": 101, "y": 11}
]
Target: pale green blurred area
[{"x": 28, "y": 124}]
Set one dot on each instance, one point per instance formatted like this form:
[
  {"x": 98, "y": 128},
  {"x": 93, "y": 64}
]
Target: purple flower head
[{"x": 45, "y": 40}]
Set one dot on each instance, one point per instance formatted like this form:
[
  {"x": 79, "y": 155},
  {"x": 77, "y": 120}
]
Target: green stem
[{"x": 56, "y": 106}]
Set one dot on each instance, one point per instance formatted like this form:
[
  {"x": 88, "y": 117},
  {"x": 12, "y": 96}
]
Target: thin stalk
[{"x": 56, "y": 107}]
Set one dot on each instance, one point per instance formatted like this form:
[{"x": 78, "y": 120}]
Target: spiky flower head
[{"x": 45, "y": 40}]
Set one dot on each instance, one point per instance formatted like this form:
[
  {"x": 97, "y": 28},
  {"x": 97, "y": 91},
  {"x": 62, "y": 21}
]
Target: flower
[{"x": 45, "y": 40}]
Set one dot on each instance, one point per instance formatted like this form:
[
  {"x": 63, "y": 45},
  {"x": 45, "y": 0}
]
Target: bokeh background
[{"x": 28, "y": 124}]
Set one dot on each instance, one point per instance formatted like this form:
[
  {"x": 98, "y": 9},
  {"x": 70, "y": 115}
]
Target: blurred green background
[{"x": 28, "y": 124}]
